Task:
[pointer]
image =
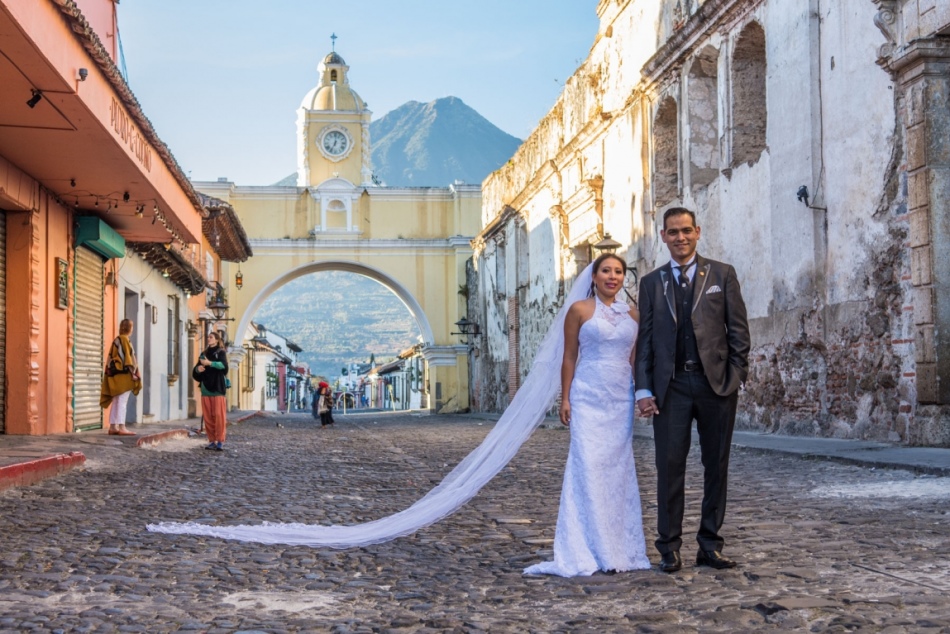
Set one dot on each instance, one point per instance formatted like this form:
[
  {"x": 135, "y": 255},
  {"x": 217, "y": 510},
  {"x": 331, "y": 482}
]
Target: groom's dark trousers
[{"x": 707, "y": 321}]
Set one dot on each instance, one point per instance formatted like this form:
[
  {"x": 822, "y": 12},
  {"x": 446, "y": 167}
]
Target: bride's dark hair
[{"x": 600, "y": 260}]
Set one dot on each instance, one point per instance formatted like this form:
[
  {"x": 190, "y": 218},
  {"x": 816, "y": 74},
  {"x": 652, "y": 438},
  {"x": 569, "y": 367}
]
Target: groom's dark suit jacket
[{"x": 719, "y": 322}]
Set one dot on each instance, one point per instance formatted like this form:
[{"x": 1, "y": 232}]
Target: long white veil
[{"x": 526, "y": 411}]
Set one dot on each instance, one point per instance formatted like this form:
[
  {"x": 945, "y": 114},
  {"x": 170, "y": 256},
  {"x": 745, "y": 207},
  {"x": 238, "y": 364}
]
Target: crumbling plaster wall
[
  {"x": 487, "y": 307},
  {"x": 829, "y": 347},
  {"x": 823, "y": 286},
  {"x": 592, "y": 132},
  {"x": 825, "y": 283}
]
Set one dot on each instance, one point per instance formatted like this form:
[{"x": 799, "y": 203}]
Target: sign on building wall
[{"x": 62, "y": 283}]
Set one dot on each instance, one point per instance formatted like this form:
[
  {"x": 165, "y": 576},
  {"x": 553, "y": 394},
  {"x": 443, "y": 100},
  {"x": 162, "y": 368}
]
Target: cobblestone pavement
[{"x": 822, "y": 546}]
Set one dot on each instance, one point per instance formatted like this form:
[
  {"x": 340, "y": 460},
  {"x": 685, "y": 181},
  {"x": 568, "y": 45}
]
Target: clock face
[{"x": 335, "y": 143}]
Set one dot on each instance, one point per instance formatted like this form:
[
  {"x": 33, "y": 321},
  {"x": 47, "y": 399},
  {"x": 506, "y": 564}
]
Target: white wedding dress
[{"x": 600, "y": 522}]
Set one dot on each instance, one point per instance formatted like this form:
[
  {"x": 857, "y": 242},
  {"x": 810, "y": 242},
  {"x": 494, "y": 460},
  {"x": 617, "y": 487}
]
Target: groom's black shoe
[
  {"x": 714, "y": 559},
  {"x": 671, "y": 562}
]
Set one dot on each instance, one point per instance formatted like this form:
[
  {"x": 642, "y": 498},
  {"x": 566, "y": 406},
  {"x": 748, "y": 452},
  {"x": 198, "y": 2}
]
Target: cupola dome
[{"x": 333, "y": 92}]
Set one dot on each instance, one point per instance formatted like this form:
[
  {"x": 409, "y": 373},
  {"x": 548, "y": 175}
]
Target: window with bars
[
  {"x": 174, "y": 335},
  {"x": 249, "y": 364},
  {"x": 271, "y": 370}
]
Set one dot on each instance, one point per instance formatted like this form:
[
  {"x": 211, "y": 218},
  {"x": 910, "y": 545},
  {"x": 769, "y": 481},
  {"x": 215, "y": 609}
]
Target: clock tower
[{"x": 333, "y": 131}]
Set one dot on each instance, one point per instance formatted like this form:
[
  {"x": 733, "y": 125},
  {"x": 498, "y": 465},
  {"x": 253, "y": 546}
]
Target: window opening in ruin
[
  {"x": 665, "y": 173},
  {"x": 522, "y": 272},
  {"x": 501, "y": 270},
  {"x": 703, "y": 100},
  {"x": 749, "y": 111}
]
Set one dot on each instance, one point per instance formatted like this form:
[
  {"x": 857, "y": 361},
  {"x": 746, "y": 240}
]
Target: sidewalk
[
  {"x": 25, "y": 460},
  {"x": 921, "y": 460},
  {"x": 866, "y": 453}
]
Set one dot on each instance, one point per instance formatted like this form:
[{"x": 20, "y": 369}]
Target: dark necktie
[{"x": 683, "y": 277}]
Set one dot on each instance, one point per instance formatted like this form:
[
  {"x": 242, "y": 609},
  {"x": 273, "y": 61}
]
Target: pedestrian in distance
[
  {"x": 211, "y": 372},
  {"x": 600, "y": 521},
  {"x": 323, "y": 404},
  {"x": 692, "y": 357},
  {"x": 120, "y": 379}
]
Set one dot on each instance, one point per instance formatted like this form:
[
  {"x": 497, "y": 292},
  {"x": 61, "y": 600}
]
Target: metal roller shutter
[
  {"x": 3, "y": 319},
  {"x": 89, "y": 355}
]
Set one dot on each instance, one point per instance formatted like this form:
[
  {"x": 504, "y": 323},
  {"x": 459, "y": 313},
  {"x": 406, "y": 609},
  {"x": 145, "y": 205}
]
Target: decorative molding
[
  {"x": 335, "y": 127},
  {"x": 921, "y": 57},
  {"x": 35, "y": 328},
  {"x": 374, "y": 247},
  {"x": 886, "y": 20},
  {"x": 710, "y": 16},
  {"x": 399, "y": 193},
  {"x": 443, "y": 355},
  {"x": 478, "y": 246}
]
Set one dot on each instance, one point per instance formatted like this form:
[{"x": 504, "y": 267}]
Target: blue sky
[{"x": 221, "y": 80}]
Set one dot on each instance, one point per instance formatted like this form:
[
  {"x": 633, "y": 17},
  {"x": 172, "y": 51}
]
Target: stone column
[{"x": 922, "y": 74}]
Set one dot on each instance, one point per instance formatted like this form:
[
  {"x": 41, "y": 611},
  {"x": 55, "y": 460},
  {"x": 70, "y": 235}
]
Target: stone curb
[
  {"x": 33, "y": 471},
  {"x": 246, "y": 416},
  {"x": 27, "y": 473}
]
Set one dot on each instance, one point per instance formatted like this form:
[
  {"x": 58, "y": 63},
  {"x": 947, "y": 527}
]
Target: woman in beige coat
[{"x": 121, "y": 378}]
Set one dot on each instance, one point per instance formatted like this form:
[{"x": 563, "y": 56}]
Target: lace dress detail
[{"x": 600, "y": 523}]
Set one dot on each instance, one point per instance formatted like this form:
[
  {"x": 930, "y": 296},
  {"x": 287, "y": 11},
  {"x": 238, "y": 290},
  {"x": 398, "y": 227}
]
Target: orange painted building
[{"x": 85, "y": 182}]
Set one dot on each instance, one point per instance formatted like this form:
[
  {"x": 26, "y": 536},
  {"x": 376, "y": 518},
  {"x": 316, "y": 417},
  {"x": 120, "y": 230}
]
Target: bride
[
  {"x": 605, "y": 539},
  {"x": 599, "y": 523}
]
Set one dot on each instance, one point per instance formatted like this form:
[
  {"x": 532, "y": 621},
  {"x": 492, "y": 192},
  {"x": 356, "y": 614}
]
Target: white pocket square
[{"x": 714, "y": 289}]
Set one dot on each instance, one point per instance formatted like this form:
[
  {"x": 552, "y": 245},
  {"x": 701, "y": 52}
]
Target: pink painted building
[{"x": 84, "y": 182}]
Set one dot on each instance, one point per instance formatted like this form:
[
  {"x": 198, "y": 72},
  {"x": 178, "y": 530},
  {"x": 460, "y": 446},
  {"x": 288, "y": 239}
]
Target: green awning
[{"x": 91, "y": 232}]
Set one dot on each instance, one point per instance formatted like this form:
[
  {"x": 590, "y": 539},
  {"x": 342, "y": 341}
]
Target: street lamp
[
  {"x": 466, "y": 328},
  {"x": 219, "y": 309},
  {"x": 239, "y": 279},
  {"x": 607, "y": 245}
]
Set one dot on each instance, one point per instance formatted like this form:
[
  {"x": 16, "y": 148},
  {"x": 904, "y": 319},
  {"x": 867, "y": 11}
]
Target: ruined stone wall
[
  {"x": 489, "y": 360},
  {"x": 835, "y": 371},
  {"x": 781, "y": 131},
  {"x": 840, "y": 357}
]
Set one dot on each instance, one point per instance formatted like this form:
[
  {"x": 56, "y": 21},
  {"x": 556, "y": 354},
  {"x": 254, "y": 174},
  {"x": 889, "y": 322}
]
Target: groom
[{"x": 692, "y": 356}]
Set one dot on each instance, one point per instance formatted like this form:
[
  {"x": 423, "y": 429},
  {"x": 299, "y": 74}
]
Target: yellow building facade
[{"x": 414, "y": 241}]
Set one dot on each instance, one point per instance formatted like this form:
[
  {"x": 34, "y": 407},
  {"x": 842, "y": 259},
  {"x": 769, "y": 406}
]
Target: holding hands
[{"x": 647, "y": 407}]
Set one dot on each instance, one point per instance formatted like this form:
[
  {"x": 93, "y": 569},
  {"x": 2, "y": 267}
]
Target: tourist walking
[
  {"x": 120, "y": 379},
  {"x": 323, "y": 404}
]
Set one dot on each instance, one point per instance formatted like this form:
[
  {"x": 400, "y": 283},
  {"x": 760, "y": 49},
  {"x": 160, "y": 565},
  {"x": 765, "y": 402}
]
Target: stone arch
[
  {"x": 415, "y": 309},
  {"x": 749, "y": 106},
  {"x": 703, "y": 106},
  {"x": 665, "y": 155}
]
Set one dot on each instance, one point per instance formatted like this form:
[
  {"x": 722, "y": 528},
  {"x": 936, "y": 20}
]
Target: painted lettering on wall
[{"x": 129, "y": 133}]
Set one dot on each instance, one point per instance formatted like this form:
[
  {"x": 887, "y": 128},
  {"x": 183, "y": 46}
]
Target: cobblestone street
[{"x": 821, "y": 546}]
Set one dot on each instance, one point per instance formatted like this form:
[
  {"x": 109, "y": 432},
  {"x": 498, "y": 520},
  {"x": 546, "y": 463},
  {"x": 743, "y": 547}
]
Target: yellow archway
[{"x": 406, "y": 297}]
